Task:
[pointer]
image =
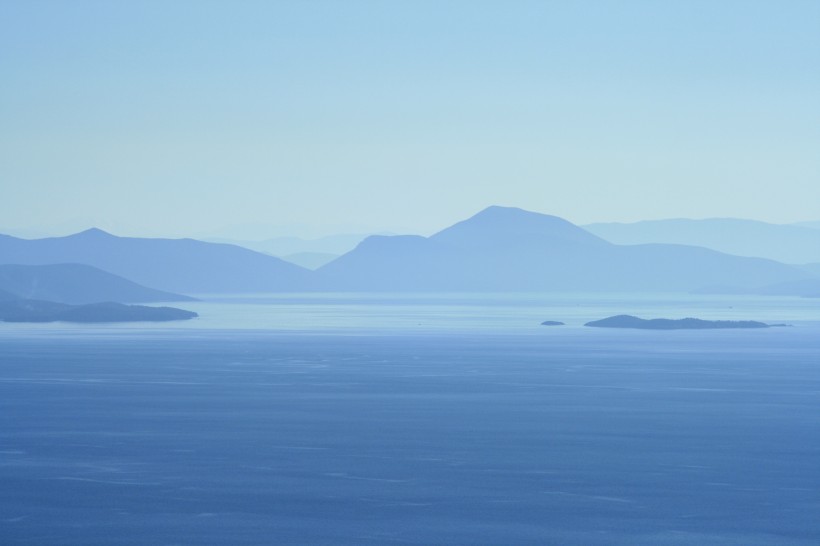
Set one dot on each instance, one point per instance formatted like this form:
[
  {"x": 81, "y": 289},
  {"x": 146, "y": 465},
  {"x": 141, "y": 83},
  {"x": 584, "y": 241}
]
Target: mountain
[
  {"x": 282, "y": 246},
  {"x": 498, "y": 249},
  {"x": 22, "y": 310},
  {"x": 509, "y": 249},
  {"x": 75, "y": 284},
  {"x": 807, "y": 288},
  {"x": 813, "y": 269},
  {"x": 175, "y": 265},
  {"x": 310, "y": 260},
  {"x": 793, "y": 244}
]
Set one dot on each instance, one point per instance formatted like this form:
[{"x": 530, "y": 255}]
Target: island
[
  {"x": 552, "y": 323},
  {"x": 629, "y": 321},
  {"x": 23, "y": 310}
]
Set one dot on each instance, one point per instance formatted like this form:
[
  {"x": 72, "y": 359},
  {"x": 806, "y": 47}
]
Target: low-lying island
[{"x": 629, "y": 321}]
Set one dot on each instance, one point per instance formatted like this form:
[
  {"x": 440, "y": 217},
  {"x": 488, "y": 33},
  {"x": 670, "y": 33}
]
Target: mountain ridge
[
  {"x": 173, "y": 265},
  {"x": 497, "y": 249},
  {"x": 787, "y": 243},
  {"x": 528, "y": 251},
  {"x": 76, "y": 284}
]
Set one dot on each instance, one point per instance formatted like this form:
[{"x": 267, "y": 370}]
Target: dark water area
[{"x": 566, "y": 437}]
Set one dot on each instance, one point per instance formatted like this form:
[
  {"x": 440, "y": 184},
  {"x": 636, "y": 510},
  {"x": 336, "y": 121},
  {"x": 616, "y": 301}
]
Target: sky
[{"x": 310, "y": 117}]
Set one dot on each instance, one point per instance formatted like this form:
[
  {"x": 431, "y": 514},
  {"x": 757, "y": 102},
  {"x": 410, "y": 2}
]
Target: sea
[{"x": 425, "y": 419}]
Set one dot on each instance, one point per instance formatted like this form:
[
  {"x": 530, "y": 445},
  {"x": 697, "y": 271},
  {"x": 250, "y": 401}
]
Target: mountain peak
[
  {"x": 498, "y": 210},
  {"x": 514, "y": 217},
  {"x": 92, "y": 232},
  {"x": 505, "y": 225}
]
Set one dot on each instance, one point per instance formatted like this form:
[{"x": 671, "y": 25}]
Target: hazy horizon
[
  {"x": 260, "y": 231},
  {"x": 498, "y": 372},
  {"x": 179, "y": 119}
]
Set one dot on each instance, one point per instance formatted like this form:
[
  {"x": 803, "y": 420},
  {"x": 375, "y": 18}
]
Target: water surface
[{"x": 410, "y": 422}]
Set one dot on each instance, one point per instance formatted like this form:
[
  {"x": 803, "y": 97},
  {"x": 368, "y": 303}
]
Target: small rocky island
[
  {"x": 629, "y": 321},
  {"x": 552, "y": 323},
  {"x": 23, "y": 310}
]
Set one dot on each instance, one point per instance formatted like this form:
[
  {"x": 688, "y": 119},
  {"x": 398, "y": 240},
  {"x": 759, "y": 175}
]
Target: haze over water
[
  {"x": 486, "y": 429},
  {"x": 324, "y": 176}
]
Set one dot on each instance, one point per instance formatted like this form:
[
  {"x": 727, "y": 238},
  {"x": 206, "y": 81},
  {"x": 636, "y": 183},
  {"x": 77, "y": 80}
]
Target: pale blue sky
[{"x": 182, "y": 117}]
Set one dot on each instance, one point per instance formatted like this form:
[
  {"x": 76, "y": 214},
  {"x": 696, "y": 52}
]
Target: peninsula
[{"x": 22, "y": 310}]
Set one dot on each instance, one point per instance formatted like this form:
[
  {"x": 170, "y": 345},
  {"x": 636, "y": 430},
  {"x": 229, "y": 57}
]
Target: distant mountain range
[
  {"x": 813, "y": 269},
  {"x": 174, "y": 265},
  {"x": 509, "y": 249},
  {"x": 284, "y": 246},
  {"x": 310, "y": 260},
  {"x": 499, "y": 249},
  {"x": 307, "y": 253},
  {"x": 808, "y": 288},
  {"x": 792, "y": 244},
  {"x": 75, "y": 284}
]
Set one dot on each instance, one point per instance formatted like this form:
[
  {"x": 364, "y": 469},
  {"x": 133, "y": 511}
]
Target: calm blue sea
[{"x": 431, "y": 419}]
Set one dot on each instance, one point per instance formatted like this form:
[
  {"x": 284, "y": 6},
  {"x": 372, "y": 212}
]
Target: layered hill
[
  {"x": 813, "y": 269},
  {"x": 287, "y": 246},
  {"x": 175, "y": 265},
  {"x": 498, "y": 250},
  {"x": 310, "y": 260},
  {"x": 792, "y": 244},
  {"x": 509, "y": 249},
  {"x": 74, "y": 284},
  {"x": 807, "y": 288}
]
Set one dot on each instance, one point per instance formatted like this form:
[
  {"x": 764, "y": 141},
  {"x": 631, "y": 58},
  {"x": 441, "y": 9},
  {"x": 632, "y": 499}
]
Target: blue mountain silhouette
[
  {"x": 498, "y": 249},
  {"x": 176, "y": 265},
  {"x": 509, "y": 249},
  {"x": 75, "y": 284},
  {"x": 791, "y": 244}
]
